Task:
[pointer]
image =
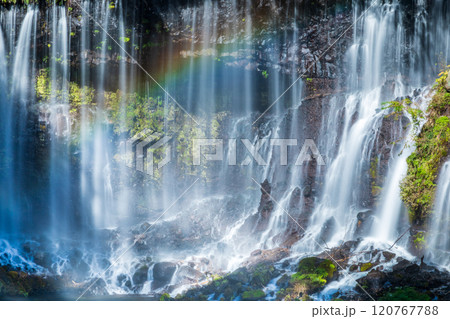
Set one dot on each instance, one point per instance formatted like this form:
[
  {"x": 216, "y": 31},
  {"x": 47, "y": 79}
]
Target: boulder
[
  {"x": 187, "y": 274},
  {"x": 253, "y": 295},
  {"x": 312, "y": 275},
  {"x": 140, "y": 276},
  {"x": 373, "y": 283},
  {"x": 266, "y": 257},
  {"x": 240, "y": 275},
  {"x": 328, "y": 230},
  {"x": 365, "y": 220},
  {"x": 14, "y": 284},
  {"x": 406, "y": 280},
  {"x": 162, "y": 274},
  {"x": 388, "y": 256}
]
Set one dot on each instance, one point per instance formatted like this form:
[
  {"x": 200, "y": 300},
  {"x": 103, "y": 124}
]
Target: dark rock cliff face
[
  {"x": 420, "y": 282},
  {"x": 160, "y": 27}
]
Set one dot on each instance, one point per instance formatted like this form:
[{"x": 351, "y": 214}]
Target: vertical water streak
[
  {"x": 59, "y": 108},
  {"x": 342, "y": 198},
  {"x": 439, "y": 233},
  {"x": 84, "y": 125},
  {"x": 123, "y": 195},
  {"x": 16, "y": 117},
  {"x": 4, "y": 104},
  {"x": 102, "y": 197}
]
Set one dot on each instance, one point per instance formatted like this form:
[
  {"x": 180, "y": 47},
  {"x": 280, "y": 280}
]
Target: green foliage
[
  {"x": 43, "y": 85},
  {"x": 132, "y": 114},
  {"x": 165, "y": 297},
  {"x": 312, "y": 274},
  {"x": 405, "y": 294},
  {"x": 253, "y": 295},
  {"x": 265, "y": 74},
  {"x": 375, "y": 178},
  {"x": 74, "y": 95},
  {"x": 366, "y": 266},
  {"x": 432, "y": 144},
  {"x": 261, "y": 275},
  {"x": 419, "y": 241},
  {"x": 399, "y": 107},
  {"x": 312, "y": 265}
]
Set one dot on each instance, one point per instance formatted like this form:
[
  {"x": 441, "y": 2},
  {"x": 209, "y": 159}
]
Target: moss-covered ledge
[{"x": 432, "y": 144}]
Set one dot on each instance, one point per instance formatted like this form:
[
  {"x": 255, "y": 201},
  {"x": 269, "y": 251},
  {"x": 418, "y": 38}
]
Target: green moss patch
[
  {"x": 312, "y": 275},
  {"x": 432, "y": 144},
  {"x": 253, "y": 295},
  {"x": 405, "y": 294},
  {"x": 366, "y": 266}
]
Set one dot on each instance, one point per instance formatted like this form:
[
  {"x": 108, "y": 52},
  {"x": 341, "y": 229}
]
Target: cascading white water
[
  {"x": 341, "y": 200},
  {"x": 21, "y": 70},
  {"x": 219, "y": 73},
  {"x": 439, "y": 238},
  {"x": 4, "y": 103},
  {"x": 15, "y": 93},
  {"x": 385, "y": 226},
  {"x": 378, "y": 44},
  {"x": 59, "y": 121}
]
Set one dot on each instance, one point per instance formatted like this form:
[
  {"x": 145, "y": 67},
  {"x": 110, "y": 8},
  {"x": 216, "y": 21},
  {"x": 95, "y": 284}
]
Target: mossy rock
[
  {"x": 432, "y": 144},
  {"x": 316, "y": 267},
  {"x": 262, "y": 275},
  {"x": 405, "y": 294},
  {"x": 284, "y": 281},
  {"x": 253, "y": 295},
  {"x": 239, "y": 275},
  {"x": 13, "y": 274},
  {"x": 312, "y": 275},
  {"x": 20, "y": 284},
  {"x": 366, "y": 266}
]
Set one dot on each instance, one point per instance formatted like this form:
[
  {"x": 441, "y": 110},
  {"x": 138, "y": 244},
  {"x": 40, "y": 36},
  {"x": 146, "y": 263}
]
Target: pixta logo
[
  {"x": 140, "y": 151},
  {"x": 213, "y": 150}
]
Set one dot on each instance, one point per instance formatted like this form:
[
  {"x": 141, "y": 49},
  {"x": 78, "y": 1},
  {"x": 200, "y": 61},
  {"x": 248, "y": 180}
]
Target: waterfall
[
  {"x": 248, "y": 74},
  {"x": 59, "y": 122},
  {"x": 4, "y": 104},
  {"x": 439, "y": 239},
  {"x": 15, "y": 94},
  {"x": 370, "y": 52},
  {"x": 21, "y": 70},
  {"x": 390, "y": 212}
]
